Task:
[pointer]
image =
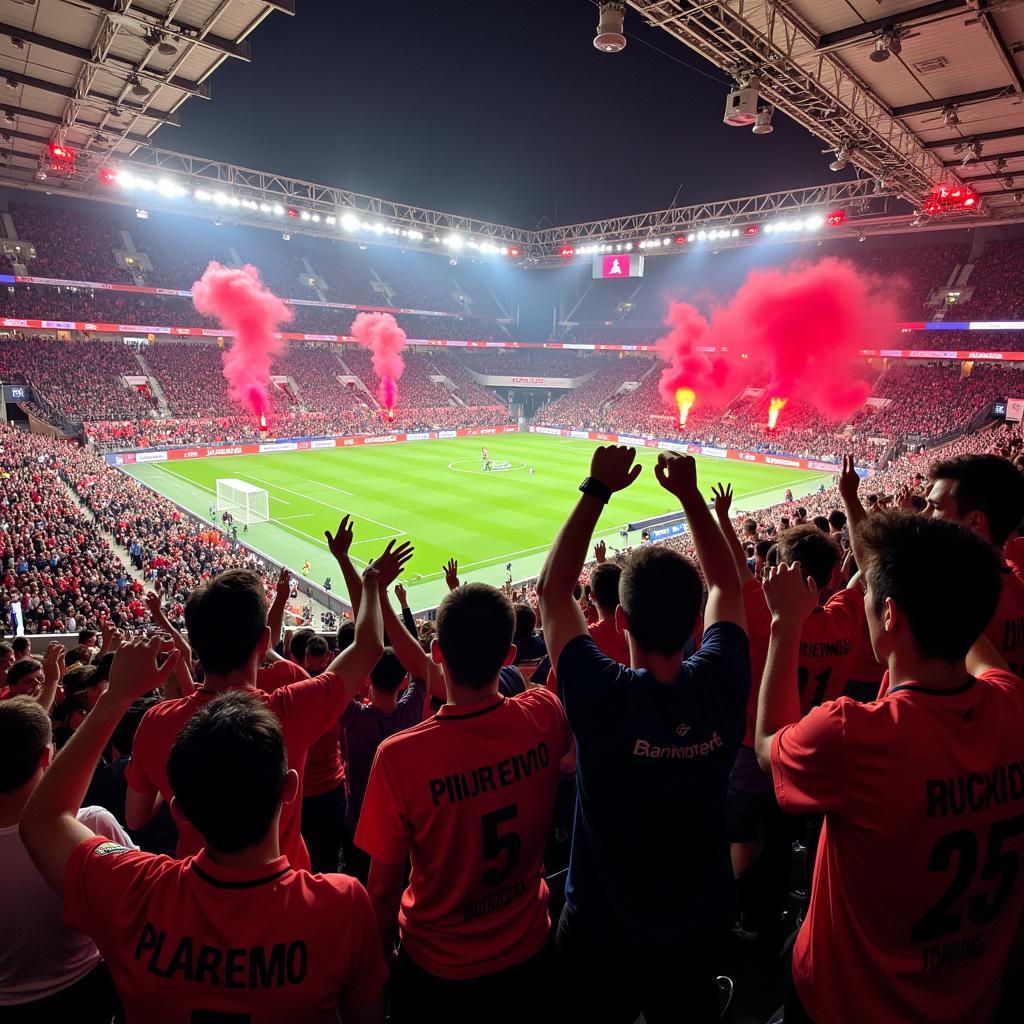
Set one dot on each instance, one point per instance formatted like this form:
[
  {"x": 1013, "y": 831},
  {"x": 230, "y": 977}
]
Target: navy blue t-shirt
[{"x": 650, "y": 864}]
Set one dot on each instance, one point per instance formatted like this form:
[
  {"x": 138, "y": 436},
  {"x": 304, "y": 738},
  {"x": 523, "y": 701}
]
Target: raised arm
[
  {"x": 49, "y": 824},
  {"x": 356, "y": 662},
  {"x": 275, "y": 613},
  {"x": 678, "y": 475},
  {"x": 407, "y": 649},
  {"x": 791, "y": 599},
  {"x": 612, "y": 468},
  {"x": 849, "y": 483},
  {"x": 53, "y": 672},
  {"x": 339, "y": 545},
  {"x": 723, "y": 503}
]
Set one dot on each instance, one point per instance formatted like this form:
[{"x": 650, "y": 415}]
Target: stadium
[{"x": 748, "y": 464}]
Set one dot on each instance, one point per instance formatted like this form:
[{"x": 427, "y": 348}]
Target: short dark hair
[
  {"x": 299, "y": 642},
  {"x": 316, "y": 648},
  {"x": 21, "y": 668},
  {"x": 660, "y": 593},
  {"x": 227, "y": 768},
  {"x": 821, "y": 523},
  {"x": 123, "y": 736},
  {"x": 85, "y": 635},
  {"x": 20, "y": 645},
  {"x": 226, "y": 617},
  {"x": 763, "y": 547},
  {"x": 987, "y": 484},
  {"x": 388, "y": 673},
  {"x": 25, "y": 733},
  {"x": 604, "y": 585},
  {"x": 836, "y": 519},
  {"x": 526, "y": 623},
  {"x": 750, "y": 526},
  {"x": 817, "y": 553},
  {"x": 346, "y": 635},
  {"x": 76, "y": 679},
  {"x": 475, "y": 625},
  {"x": 5, "y": 648},
  {"x": 801, "y": 513},
  {"x": 943, "y": 577},
  {"x": 80, "y": 655}
]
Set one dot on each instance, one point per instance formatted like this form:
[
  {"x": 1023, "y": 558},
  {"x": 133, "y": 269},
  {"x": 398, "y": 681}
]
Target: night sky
[{"x": 503, "y": 111}]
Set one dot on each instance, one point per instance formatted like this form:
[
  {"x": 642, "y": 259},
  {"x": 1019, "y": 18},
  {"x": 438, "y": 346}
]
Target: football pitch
[{"x": 437, "y": 495}]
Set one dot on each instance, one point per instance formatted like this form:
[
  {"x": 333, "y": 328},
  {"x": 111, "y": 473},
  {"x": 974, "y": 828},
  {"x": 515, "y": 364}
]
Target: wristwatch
[{"x": 596, "y": 489}]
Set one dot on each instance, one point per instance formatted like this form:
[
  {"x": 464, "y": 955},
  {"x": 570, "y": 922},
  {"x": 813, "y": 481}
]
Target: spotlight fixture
[
  {"x": 8, "y": 117},
  {"x": 138, "y": 89},
  {"x": 609, "y": 37},
  {"x": 285, "y": 236},
  {"x": 1008, "y": 180},
  {"x": 862, "y": 238},
  {"x": 741, "y": 103},
  {"x": 763, "y": 124},
  {"x": 887, "y": 43},
  {"x": 841, "y": 160},
  {"x": 972, "y": 154},
  {"x": 11, "y": 84},
  {"x": 950, "y": 116}
]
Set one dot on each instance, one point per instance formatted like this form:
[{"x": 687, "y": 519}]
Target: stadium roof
[
  {"x": 908, "y": 88},
  {"x": 101, "y": 76}
]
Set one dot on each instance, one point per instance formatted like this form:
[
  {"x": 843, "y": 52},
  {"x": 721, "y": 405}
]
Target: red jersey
[
  {"x": 302, "y": 707},
  {"x": 610, "y": 642},
  {"x": 325, "y": 770},
  {"x": 1006, "y": 630},
  {"x": 193, "y": 940},
  {"x": 468, "y": 796},
  {"x": 828, "y": 644},
  {"x": 917, "y": 893}
]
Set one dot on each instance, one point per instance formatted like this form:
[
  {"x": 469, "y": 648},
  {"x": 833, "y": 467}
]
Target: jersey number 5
[
  {"x": 1000, "y": 864},
  {"x": 497, "y": 843}
]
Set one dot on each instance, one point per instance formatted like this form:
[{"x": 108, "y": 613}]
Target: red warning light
[
  {"x": 514, "y": 252},
  {"x": 567, "y": 252},
  {"x": 948, "y": 199},
  {"x": 62, "y": 158},
  {"x": 680, "y": 239},
  {"x": 292, "y": 212},
  {"x": 108, "y": 175},
  {"x": 836, "y": 219},
  {"x": 751, "y": 229}
]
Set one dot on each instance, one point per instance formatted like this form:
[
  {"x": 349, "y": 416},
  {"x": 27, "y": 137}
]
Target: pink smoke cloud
[
  {"x": 804, "y": 325},
  {"x": 380, "y": 333},
  {"x": 704, "y": 373},
  {"x": 240, "y": 302}
]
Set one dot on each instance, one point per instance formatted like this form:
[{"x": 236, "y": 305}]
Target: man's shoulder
[{"x": 409, "y": 742}]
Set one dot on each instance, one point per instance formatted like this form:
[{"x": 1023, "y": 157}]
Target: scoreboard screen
[{"x": 609, "y": 266}]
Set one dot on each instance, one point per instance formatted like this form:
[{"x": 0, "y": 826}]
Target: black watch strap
[{"x": 596, "y": 489}]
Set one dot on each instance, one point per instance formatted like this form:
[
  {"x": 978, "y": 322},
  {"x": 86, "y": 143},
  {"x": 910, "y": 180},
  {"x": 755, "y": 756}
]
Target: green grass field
[{"x": 435, "y": 494}]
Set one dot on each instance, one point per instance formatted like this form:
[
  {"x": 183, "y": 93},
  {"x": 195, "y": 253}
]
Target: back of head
[
  {"x": 987, "y": 484},
  {"x": 78, "y": 678},
  {"x": 78, "y": 656},
  {"x": 226, "y": 617},
  {"x": 526, "y": 623},
  {"x": 346, "y": 635},
  {"x": 944, "y": 578},
  {"x": 300, "y": 640},
  {"x": 821, "y": 523},
  {"x": 20, "y": 646},
  {"x": 604, "y": 585},
  {"x": 660, "y": 593},
  {"x": 388, "y": 673},
  {"x": 475, "y": 624},
  {"x": 762, "y": 548},
  {"x": 123, "y": 736},
  {"x": 837, "y": 519},
  {"x": 24, "y": 735},
  {"x": 227, "y": 769},
  {"x": 817, "y": 553},
  {"x": 87, "y": 638}
]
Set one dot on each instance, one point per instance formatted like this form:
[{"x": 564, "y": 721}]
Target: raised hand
[
  {"x": 401, "y": 595},
  {"x": 678, "y": 475},
  {"x": 134, "y": 670},
  {"x": 284, "y": 583},
  {"x": 600, "y": 552},
  {"x": 451, "y": 574},
  {"x": 849, "y": 481},
  {"x": 723, "y": 499},
  {"x": 154, "y": 605},
  {"x": 53, "y": 663},
  {"x": 389, "y": 565},
  {"x": 790, "y": 597},
  {"x": 613, "y": 466},
  {"x": 339, "y": 543}
]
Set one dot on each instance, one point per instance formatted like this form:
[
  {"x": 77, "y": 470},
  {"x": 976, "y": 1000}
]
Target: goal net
[{"x": 246, "y": 502}]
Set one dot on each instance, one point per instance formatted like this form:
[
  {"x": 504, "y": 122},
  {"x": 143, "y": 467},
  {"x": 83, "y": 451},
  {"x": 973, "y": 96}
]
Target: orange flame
[
  {"x": 684, "y": 399},
  {"x": 775, "y": 406}
]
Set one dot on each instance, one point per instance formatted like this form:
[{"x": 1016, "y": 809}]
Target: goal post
[{"x": 246, "y": 502}]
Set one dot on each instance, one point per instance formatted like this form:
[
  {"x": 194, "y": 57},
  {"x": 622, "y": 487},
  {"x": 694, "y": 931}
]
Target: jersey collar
[
  {"x": 458, "y": 712},
  {"x": 237, "y": 878}
]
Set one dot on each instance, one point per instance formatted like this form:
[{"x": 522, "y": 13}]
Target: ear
[
  {"x": 621, "y": 625},
  {"x": 510, "y": 655},
  {"x": 263, "y": 644},
  {"x": 177, "y": 813},
  {"x": 46, "y": 757},
  {"x": 435, "y": 652},
  {"x": 891, "y": 617},
  {"x": 978, "y": 522},
  {"x": 291, "y": 787}
]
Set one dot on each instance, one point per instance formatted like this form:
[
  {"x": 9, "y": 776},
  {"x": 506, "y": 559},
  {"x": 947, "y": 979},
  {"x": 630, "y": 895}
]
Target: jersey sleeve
[
  {"x": 367, "y": 969},
  {"x": 99, "y": 875},
  {"x": 310, "y": 705},
  {"x": 589, "y": 682},
  {"x": 383, "y": 830},
  {"x": 557, "y": 725},
  {"x": 808, "y": 761},
  {"x": 846, "y": 609},
  {"x": 415, "y": 696}
]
